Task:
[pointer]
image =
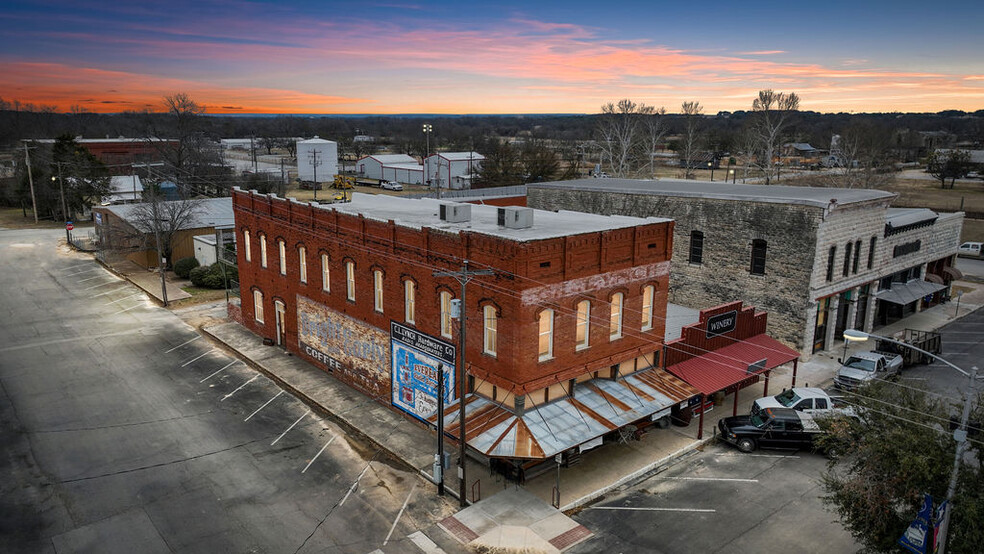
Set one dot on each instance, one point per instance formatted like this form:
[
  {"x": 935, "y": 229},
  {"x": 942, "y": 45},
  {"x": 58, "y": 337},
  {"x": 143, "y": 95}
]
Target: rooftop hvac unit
[
  {"x": 516, "y": 218},
  {"x": 456, "y": 213}
]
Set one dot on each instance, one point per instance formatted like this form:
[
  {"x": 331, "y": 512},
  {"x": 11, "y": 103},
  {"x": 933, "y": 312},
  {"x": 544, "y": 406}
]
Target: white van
[{"x": 970, "y": 249}]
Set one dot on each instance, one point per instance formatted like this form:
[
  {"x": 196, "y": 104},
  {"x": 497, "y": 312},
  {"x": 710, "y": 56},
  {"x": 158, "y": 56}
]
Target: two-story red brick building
[{"x": 564, "y": 339}]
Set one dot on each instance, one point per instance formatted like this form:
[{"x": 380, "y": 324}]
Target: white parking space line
[
  {"x": 265, "y": 404},
  {"x": 291, "y": 427},
  {"x": 81, "y": 272},
  {"x": 255, "y": 377},
  {"x": 88, "y": 279},
  {"x": 640, "y": 509},
  {"x": 734, "y": 480},
  {"x": 127, "y": 309},
  {"x": 70, "y": 268},
  {"x": 424, "y": 543},
  {"x": 355, "y": 484},
  {"x": 219, "y": 371},
  {"x": 107, "y": 292},
  {"x": 318, "y": 454},
  {"x": 399, "y": 515},
  {"x": 101, "y": 285},
  {"x": 122, "y": 299},
  {"x": 198, "y": 357},
  {"x": 183, "y": 343},
  {"x": 733, "y": 455}
]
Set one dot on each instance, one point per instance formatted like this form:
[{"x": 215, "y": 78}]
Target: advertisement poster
[
  {"x": 342, "y": 344},
  {"x": 416, "y": 358}
]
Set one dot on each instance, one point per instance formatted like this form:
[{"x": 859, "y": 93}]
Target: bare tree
[
  {"x": 864, "y": 155},
  {"x": 161, "y": 220},
  {"x": 619, "y": 134},
  {"x": 691, "y": 135},
  {"x": 772, "y": 111},
  {"x": 655, "y": 130}
]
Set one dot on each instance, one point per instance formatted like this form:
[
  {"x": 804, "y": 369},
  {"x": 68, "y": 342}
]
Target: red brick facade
[{"x": 530, "y": 276}]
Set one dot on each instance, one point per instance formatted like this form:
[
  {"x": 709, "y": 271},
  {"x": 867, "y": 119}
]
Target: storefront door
[
  {"x": 281, "y": 312},
  {"x": 820, "y": 331}
]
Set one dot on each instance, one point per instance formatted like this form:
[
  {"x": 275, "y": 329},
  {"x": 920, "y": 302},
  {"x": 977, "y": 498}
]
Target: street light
[
  {"x": 734, "y": 176},
  {"x": 959, "y": 435},
  {"x": 710, "y": 165},
  {"x": 428, "y": 129}
]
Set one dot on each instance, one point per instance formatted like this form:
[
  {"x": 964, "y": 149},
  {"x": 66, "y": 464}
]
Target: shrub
[
  {"x": 211, "y": 276},
  {"x": 184, "y": 266},
  {"x": 197, "y": 275}
]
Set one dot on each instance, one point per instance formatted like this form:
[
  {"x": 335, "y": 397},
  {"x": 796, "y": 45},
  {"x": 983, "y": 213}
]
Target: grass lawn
[
  {"x": 198, "y": 296},
  {"x": 13, "y": 218}
]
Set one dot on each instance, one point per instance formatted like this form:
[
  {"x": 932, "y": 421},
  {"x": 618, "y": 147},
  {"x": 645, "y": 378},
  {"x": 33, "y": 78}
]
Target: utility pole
[
  {"x": 61, "y": 187},
  {"x": 315, "y": 162},
  {"x": 428, "y": 129},
  {"x": 439, "y": 463},
  {"x": 30, "y": 179},
  {"x": 252, "y": 150},
  {"x": 462, "y": 277},
  {"x": 161, "y": 261}
]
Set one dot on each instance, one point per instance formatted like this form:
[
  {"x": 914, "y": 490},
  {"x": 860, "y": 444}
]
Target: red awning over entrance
[{"x": 732, "y": 364}]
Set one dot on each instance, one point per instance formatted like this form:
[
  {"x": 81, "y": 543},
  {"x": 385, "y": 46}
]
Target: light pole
[
  {"x": 710, "y": 165},
  {"x": 959, "y": 434},
  {"x": 428, "y": 129},
  {"x": 957, "y": 310}
]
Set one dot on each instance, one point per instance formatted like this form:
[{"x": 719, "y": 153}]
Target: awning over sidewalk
[
  {"x": 596, "y": 407},
  {"x": 908, "y": 293},
  {"x": 732, "y": 364},
  {"x": 954, "y": 273}
]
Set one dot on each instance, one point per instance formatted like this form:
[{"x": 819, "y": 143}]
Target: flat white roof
[
  {"x": 777, "y": 194},
  {"x": 425, "y": 212},
  {"x": 408, "y": 167},
  {"x": 390, "y": 159}
]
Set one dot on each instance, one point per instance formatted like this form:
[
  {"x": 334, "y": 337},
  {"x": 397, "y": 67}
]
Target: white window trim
[
  {"x": 350, "y": 281},
  {"x": 246, "y": 246},
  {"x": 302, "y": 262},
  {"x": 263, "y": 252},
  {"x": 325, "y": 274},
  {"x": 615, "y": 321},
  {"x": 548, "y": 355},
  {"x": 377, "y": 290},
  {"x": 258, "y": 306},
  {"x": 410, "y": 301},
  {"x": 647, "y": 310},
  {"x": 282, "y": 251},
  {"x": 490, "y": 331},
  {"x": 445, "y": 302},
  {"x": 586, "y": 343}
]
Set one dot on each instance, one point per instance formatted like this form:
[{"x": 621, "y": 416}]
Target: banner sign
[
  {"x": 340, "y": 343},
  {"x": 916, "y": 537},
  {"x": 722, "y": 324},
  {"x": 416, "y": 357}
]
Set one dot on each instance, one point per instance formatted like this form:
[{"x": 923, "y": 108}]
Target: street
[{"x": 126, "y": 431}]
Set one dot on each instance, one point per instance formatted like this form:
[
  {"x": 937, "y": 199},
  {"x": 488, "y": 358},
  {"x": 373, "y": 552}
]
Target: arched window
[
  {"x": 582, "y": 330},
  {"x": 263, "y": 255},
  {"x": 302, "y": 262},
  {"x": 377, "y": 290},
  {"x": 847, "y": 259},
  {"x": 246, "y": 248},
  {"x": 282, "y": 252},
  {"x": 350, "y": 280},
  {"x": 648, "y": 293},
  {"x": 258, "y": 306},
  {"x": 325, "y": 274},
  {"x": 759, "y": 249},
  {"x": 696, "y": 247},
  {"x": 615, "y": 323},
  {"x": 445, "y": 297},
  {"x": 546, "y": 335},
  {"x": 490, "y": 327},
  {"x": 410, "y": 301}
]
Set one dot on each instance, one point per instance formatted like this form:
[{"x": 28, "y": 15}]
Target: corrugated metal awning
[
  {"x": 909, "y": 292},
  {"x": 933, "y": 278},
  {"x": 734, "y": 363},
  {"x": 597, "y": 407},
  {"x": 954, "y": 273}
]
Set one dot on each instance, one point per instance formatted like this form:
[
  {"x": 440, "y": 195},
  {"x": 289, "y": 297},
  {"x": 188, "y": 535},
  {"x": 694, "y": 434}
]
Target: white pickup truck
[
  {"x": 802, "y": 399},
  {"x": 862, "y": 368}
]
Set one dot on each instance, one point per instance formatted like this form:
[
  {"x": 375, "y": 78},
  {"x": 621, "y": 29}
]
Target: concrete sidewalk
[
  {"x": 600, "y": 470},
  {"x": 149, "y": 281}
]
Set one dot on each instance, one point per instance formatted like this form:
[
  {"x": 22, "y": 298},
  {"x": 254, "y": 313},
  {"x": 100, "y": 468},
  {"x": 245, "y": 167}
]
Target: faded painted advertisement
[
  {"x": 416, "y": 361},
  {"x": 340, "y": 343}
]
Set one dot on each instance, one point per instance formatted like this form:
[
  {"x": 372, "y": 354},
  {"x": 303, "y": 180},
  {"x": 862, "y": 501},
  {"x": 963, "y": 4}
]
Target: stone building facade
[{"x": 780, "y": 248}]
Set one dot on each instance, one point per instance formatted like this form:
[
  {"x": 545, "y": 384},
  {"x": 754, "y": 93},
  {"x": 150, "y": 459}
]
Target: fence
[
  {"x": 515, "y": 190},
  {"x": 86, "y": 243}
]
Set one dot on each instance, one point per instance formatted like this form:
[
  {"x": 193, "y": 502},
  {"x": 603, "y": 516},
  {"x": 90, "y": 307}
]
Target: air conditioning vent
[
  {"x": 455, "y": 213},
  {"x": 516, "y": 218}
]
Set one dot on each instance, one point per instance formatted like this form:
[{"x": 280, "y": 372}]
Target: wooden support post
[{"x": 700, "y": 426}]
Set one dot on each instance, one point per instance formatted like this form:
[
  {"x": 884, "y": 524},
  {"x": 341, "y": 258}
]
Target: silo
[{"x": 317, "y": 156}]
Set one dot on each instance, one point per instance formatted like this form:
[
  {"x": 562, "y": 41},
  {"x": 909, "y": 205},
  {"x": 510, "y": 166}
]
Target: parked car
[
  {"x": 770, "y": 428},
  {"x": 391, "y": 185},
  {"x": 862, "y": 368},
  {"x": 808, "y": 400},
  {"x": 970, "y": 250}
]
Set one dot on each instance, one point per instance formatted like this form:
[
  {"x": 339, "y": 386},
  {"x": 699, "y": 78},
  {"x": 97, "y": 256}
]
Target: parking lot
[{"x": 127, "y": 431}]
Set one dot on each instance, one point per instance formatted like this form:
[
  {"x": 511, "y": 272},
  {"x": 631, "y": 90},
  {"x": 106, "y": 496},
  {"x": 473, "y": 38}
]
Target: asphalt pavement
[{"x": 124, "y": 430}]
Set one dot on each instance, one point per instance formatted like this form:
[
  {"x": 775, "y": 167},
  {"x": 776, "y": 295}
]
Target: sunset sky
[{"x": 491, "y": 57}]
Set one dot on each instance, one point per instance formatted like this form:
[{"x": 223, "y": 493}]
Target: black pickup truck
[{"x": 770, "y": 428}]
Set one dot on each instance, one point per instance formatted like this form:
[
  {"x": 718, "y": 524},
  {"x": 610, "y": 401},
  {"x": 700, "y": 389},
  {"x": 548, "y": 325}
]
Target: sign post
[{"x": 68, "y": 231}]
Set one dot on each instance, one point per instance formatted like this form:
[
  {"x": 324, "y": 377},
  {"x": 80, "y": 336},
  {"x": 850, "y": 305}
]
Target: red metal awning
[{"x": 732, "y": 364}]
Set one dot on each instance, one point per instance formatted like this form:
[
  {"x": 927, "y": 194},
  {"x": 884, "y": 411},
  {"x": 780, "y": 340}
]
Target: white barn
[
  {"x": 454, "y": 170},
  {"x": 317, "y": 156},
  {"x": 390, "y": 167}
]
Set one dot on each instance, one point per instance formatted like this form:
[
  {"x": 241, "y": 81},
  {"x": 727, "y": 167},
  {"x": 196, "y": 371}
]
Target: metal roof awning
[
  {"x": 597, "y": 407},
  {"x": 734, "y": 363},
  {"x": 933, "y": 278},
  {"x": 909, "y": 292}
]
